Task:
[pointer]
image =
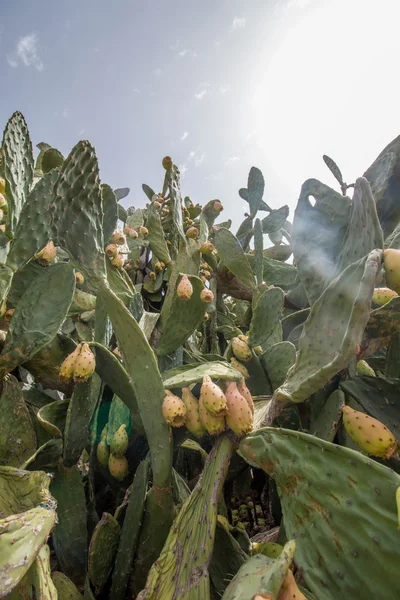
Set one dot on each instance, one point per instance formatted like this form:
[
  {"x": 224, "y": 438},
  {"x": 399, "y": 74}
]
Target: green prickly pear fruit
[
  {"x": 289, "y": 589},
  {"x": 152, "y": 275},
  {"x": 158, "y": 267},
  {"x": 130, "y": 232},
  {"x": 239, "y": 367},
  {"x": 184, "y": 290},
  {"x": 47, "y": 255},
  {"x": 173, "y": 410},
  {"x": 382, "y": 296},
  {"x": 102, "y": 453},
  {"x": 267, "y": 548},
  {"x": 214, "y": 425},
  {"x": 372, "y": 436},
  {"x": 143, "y": 231},
  {"x": 363, "y": 368},
  {"x": 119, "y": 442},
  {"x": 192, "y": 232},
  {"x": 79, "y": 278},
  {"x": 207, "y": 296},
  {"x": 213, "y": 398},
  {"x": 118, "y": 238},
  {"x": 206, "y": 248},
  {"x": 239, "y": 418},
  {"x": 167, "y": 163},
  {"x": 118, "y": 467},
  {"x": 85, "y": 364},
  {"x": 391, "y": 262},
  {"x": 244, "y": 390},
  {"x": 118, "y": 261},
  {"x": 112, "y": 250},
  {"x": 241, "y": 349},
  {"x": 192, "y": 422}
]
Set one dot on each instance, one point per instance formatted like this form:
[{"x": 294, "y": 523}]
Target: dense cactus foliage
[{"x": 190, "y": 413}]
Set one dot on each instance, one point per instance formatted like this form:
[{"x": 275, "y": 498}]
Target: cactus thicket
[{"x": 189, "y": 412}]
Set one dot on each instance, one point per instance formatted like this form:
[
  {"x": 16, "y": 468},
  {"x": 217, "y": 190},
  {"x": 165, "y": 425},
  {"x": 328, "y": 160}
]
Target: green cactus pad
[
  {"x": 339, "y": 506},
  {"x": 110, "y": 210},
  {"x": 40, "y": 576},
  {"x": 119, "y": 415},
  {"x": 70, "y": 533},
  {"x": 275, "y": 272},
  {"x": 266, "y": 314},
  {"x": 156, "y": 236},
  {"x": 38, "y": 315},
  {"x": 77, "y": 212},
  {"x": 18, "y": 167},
  {"x": 277, "y": 361},
  {"x": 392, "y": 367},
  {"x": 333, "y": 329},
  {"x": 193, "y": 373},
  {"x": 233, "y": 257},
  {"x": 275, "y": 220},
  {"x": 52, "y": 417},
  {"x": 384, "y": 321},
  {"x": 47, "y": 457},
  {"x": 102, "y": 550},
  {"x": 227, "y": 558},
  {"x": 33, "y": 230},
  {"x": 51, "y": 160},
  {"x": 326, "y": 423},
  {"x": 130, "y": 532},
  {"x": 255, "y": 190},
  {"x": 258, "y": 251},
  {"x": 66, "y": 590},
  {"x": 279, "y": 252},
  {"x": 6, "y": 277},
  {"x": 17, "y": 434}
]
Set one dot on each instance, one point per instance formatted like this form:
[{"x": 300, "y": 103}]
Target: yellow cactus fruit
[
  {"x": 85, "y": 364},
  {"x": 158, "y": 267},
  {"x": 192, "y": 232},
  {"x": 184, "y": 290},
  {"x": 258, "y": 350},
  {"x": 143, "y": 231},
  {"x": 236, "y": 364},
  {"x": 241, "y": 350},
  {"x": 206, "y": 248},
  {"x": 382, "y": 296},
  {"x": 118, "y": 467},
  {"x": 67, "y": 366},
  {"x": 206, "y": 296},
  {"x": 2, "y": 186},
  {"x": 111, "y": 250},
  {"x": 363, "y": 368},
  {"x": 173, "y": 410},
  {"x": 391, "y": 262},
  {"x": 167, "y": 163},
  {"x": 79, "y": 278},
  {"x": 118, "y": 238},
  {"x": 218, "y": 206},
  {"x": 239, "y": 418},
  {"x": 213, "y": 398},
  {"x": 118, "y": 261},
  {"x": 289, "y": 589},
  {"x": 372, "y": 436},
  {"x": 130, "y": 232},
  {"x": 214, "y": 425},
  {"x": 244, "y": 390},
  {"x": 9, "y": 314},
  {"x": 119, "y": 442},
  {"x": 3, "y": 201},
  {"x": 47, "y": 255},
  {"x": 102, "y": 453},
  {"x": 193, "y": 422}
]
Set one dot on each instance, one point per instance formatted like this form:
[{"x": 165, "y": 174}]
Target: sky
[{"x": 219, "y": 85}]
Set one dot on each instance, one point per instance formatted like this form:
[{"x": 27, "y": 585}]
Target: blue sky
[{"x": 220, "y": 85}]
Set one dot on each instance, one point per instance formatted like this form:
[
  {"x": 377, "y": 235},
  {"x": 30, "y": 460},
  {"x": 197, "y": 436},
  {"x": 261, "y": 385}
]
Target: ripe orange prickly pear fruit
[
  {"x": 239, "y": 367},
  {"x": 391, "y": 262},
  {"x": 192, "y": 422},
  {"x": 119, "y": 442},
  {"x": 118, "y": 261},
  {"x": 241, "y": 349},
  {"x": 184, "y": 290},
  {"x": 372, "y": 436},
  {"x": 382, "y": 296},
  {"x": 207, "y": 296},
  {"x": 239, "y": 418},
  {"x": 102, "y": 453},
  {"x": 9, "y": 314},
  {"x": 79, "y": 278},
  {"x": 130, "y": 232},
  {"x": 167, "y": 162},
  {"x": 118, "y": 467},
  {"x": 244, "y": 390},
  {"x": 192, "y": 232},
  {"x": 289, "y": 589},
  {"x": 68, "y": 365},
  {"x": 206, "y": 248},
  {"x": 118, "y": 238},
  {"x": 214, "y": 425},
  {"x": 85, "y": 364},
  {"x": 48, "y": 254},
  {"x": 112, "y": 250},
  {"x": 143, "y": 231},
  {"x": 363, "y": 368},
  {"x": 213, "y": 398},
  {"x": 173, "y": 410}
]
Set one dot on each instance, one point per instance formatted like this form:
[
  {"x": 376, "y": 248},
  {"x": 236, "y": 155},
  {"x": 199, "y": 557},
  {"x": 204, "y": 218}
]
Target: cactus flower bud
[
  {"x": 184, "y": 290},
  {"x": 239, "y": 367},
  {"x": 239, "y": 418},
  {"x": 79, "y": 278},
  {"x": 118, "y": 238},
  {"x": 193, "y": 422},
  {"x": 131, "y": 233},
  {"x": 206, "y": 296},
  {"x": 118, "y": 467},
  {"x": 372, "y": 436},
  {"x": 47, "y": 255},
  {"x": 112, "y": 250},
  {"x": 213, "y": 398},
  {"x": 173, "y": 410},
  {"x": 241, "y": 350},
  {"x": 167, "y": 163},
  {"x": 206, "y": 248},
  {"x": 192, "y": 232},
  {"x": 143, "y": 231},
  {"x": 119, "y": 442},
  {"x": 102, "y": 453}
]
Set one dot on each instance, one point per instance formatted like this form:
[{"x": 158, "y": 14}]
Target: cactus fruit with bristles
[
  {"x": 213, "y": 398},
  {"x": 372, "y": 436},
  {"x": 173, "y": 410}
]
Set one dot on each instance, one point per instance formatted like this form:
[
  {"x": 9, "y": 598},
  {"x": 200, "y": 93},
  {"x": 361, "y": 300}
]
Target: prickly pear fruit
[
  {"x": 2, "y": 186},
  {"x": 104, "y": 432},
  {"x": 143, "y": 231},
  {"x": 185, "y": 289},
  {"x": 382, "y": 296},
  {"x": 206, "y": 248},
  {"x": 258, "y": 350},
  {"x": 192, "y": 422},
  {"x": 118, "y": 466},
  {"x": 68, "y": 364},
  {"x": 239, "y": 418},
  {"x": 270, "y": 549},
  {"x": 112, "y": 250},
  {"x": 289, "y": 589},
  {"x": 130, "y": 232},
  {"x": 119, "y": 442},
  {"x": 117, "y": 352},
  {"x": 244, "y": 390},
  {"x": 158, "y": 267},
  {"x": 241, "y": 350},
  {"x": 213, "y": 398},
  {"x": 174, "y": 410},
  {"x": 192, "y": 232},
  {"x": 214, "y": 425},
  {"x": 363, "y": 368},
  {"x": 118, "y": 238},
  {"x": 207, "y": 296},
  {"x": 244, "y": 338},
  {"x": 9, "y": 314},
  {"x": 3, "y": 202},
  {"x": 167, "y": 162},
  {"x": 85, "y": 364},
  {"x": 102, "y": 453},
  {"x": 48, "y": 254},
  {"x": 372, "y": 436},
  {"x": 79, "y": 278},
  {"x": 118, "y": 261},
  {"x": 391, "y": 262},
  {"x": 239, "y": 367},
  {"x": 218, "y": 206}
]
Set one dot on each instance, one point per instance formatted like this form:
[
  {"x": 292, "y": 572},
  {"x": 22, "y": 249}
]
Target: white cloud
[
  {"x": 184, "y": 136},
  {"x": 202, "y": 91},
  {"x": 182, "y": 170},
  {"x": 238, "y": 23},
  {"x": 26, "y": 53},
  {"x": 199, "y": 160},
  {"x": 231, "y": 160}
]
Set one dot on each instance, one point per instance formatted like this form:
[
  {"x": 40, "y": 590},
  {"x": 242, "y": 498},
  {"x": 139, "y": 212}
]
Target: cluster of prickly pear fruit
[
  {"x": 80, "y": 365},
  {"x": 113, "y": 456}
]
